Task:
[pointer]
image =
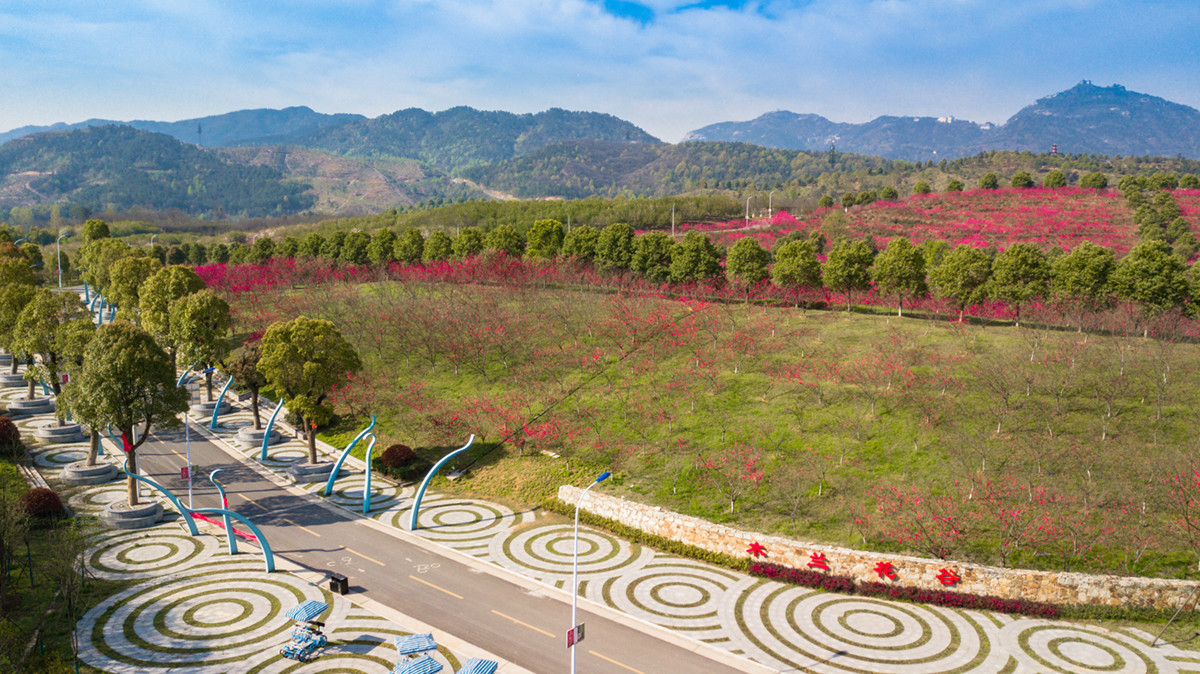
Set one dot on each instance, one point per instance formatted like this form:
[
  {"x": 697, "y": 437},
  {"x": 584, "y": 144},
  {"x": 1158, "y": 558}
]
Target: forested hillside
[{"x": 124, "y": 168}]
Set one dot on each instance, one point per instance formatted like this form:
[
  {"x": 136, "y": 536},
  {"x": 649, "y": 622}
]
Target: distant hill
[
  {"x": 123, "y": 167},
  {"x": 244, "y": 127},
  {"x": 460, "y": 137},
  {"x": 1086, "y": 119}
]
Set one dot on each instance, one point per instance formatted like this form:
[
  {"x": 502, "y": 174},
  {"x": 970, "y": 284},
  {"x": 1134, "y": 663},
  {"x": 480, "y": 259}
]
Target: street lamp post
[
  {"x": 748, "y": 209},
  {"x": 575, "y": 566},
  {"x": 58, "y": 250},
  {"x": 769, "y": 195},
  {"x": 152, "y": 240}
]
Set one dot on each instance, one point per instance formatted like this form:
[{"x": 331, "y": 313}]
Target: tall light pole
[
  {"x": 152, "y": 240},
  {"x": 58, "y": 250},
  {"x": 575, "y": 568},
  {"x": 748, "y": 209},
  {"x": 769, "y": 195}
]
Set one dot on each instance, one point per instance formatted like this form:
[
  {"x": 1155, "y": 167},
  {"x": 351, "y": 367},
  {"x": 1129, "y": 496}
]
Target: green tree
[
  {"x": 825, "y": 201},
  {"x": 219, "y": 253},
  {"x": 989, "y": 181},
  {"x": 1152, "y": 277},
  {"x": 796, "y": 265},
  {"x": 354, "y": 248},
  {"x": 694, "y": 259},
  {"x": 507, "y": 240},
  {"x": 15, "y": 270},
  {"x": 955, "y": 185},
  {"x": 922, "y": 187},
  {"x": 1163, "y": 181},
  {"x": 1082, "y": 276},
  {"x": 614, "y": 247},
  {"x": 545, "y": 239},
  {"x": 126, "y": 277},
  {"x": 331, "y": 247},
  {"x": 14, "y": 297},
  {"x": 176, "y": 255},
  {"x": 1022, "y": 180},
  {"x": 94, "y": 230},
  {"x": 1054, "y": 180},
  {"x": 155, "y": 299},
  {"x": 382, "y": 248},
  {"x": 848, "y": 268},
  {"x": 200, "y": 324},
  {"x": 126, "y": 382},
  {"x": 849, "y": 199},
  {"x": 242, "y": 365},
  {"x": 962, "y": 276},
  {"x": 580, "y": 243},
  {"x": 1094, "y": 180},
  {"x": 262, "y": 250},
  {"x": 468, "y": 243},
  {"x": 303, "y": 359},
  {"x": 288, "y": 248},
  {"x": 39, "y": 333},
  {"x": 97, "y": 257},
  {"x": 1019, "y": 274},
  {"x": 311, "y": 245},
  {"x": 409, "y": 247},
  {"x": 1189, "y": 181},
  {"x": 899, "y": 271},
  {"x": 438, "y": 247},
  {"x": 198, "y": 256},
  {"x": 889, "y": 193},
  {"x": 748, "y": 262},
  {"x": 652, "y": 256}
]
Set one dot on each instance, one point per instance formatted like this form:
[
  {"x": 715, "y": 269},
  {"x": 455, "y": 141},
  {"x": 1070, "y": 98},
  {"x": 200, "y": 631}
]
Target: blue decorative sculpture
[
  {"x": 416, "y": 509},
  {"x": 346, "y": 452},
  {"x": 187, "y": 515}
]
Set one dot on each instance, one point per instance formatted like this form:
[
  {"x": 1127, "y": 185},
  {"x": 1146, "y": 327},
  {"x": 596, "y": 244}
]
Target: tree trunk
[
  {"x": 14, "y": 365},
  {"x": 31, "y": 391},
  {"x": 254, "y": 409},
  {"x": 93, "y": 447},
  {"x": 131, "y": 484},
  {"x": 312, "y": 441},
  {"x": 208, "y": 385}
]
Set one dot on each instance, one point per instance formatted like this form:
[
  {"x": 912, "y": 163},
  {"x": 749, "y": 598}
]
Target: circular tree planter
[
  {"x": 121, "y": 515},
  {"x": 12, "y": 380},
  {"x": 79, "y": 473},
  {"x": 302, "y": 473},
  {"x": 206, "y": 409},
  {"x": 51, "y": 432},
  {"x": 5, "y": 360},
  {"x": 25, "y": 407},
  {"x": 252, "y": 438}
]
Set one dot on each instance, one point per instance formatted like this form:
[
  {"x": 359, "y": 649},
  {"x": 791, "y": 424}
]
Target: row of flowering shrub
[{"x": 847, "y": 585}]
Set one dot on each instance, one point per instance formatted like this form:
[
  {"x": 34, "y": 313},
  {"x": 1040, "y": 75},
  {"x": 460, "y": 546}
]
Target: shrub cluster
[
  {"x": 398, "y": 456},
  {"x": 42, "y": 502},
  {"x": 9, "y": 433},
  {"x": 947, "y": 598}
]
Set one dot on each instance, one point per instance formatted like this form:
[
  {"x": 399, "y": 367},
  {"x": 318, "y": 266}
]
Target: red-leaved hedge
[{"x": 847, "y": 585}]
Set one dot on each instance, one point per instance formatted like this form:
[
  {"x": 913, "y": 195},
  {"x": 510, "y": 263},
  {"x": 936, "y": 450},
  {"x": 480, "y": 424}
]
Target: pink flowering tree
[{"x": 734, "y": 473}]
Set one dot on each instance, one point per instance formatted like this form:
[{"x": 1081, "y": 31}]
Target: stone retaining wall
[{"x": 1044, "y": 586}]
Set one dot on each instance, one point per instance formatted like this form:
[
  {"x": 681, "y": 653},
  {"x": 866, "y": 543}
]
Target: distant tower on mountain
[{"x": 1054, "y": 150}]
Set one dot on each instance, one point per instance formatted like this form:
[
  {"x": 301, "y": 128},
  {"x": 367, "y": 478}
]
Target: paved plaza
[{"x": 195, "y": 604}]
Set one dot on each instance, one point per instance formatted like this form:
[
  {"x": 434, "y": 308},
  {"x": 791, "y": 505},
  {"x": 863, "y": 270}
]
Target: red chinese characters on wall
[
  {"x": 948, "y": 577},
  {"x": 756, "y": 550},
  {"x": 886, "y": 570},
  {"x": 817, "y": 560}
]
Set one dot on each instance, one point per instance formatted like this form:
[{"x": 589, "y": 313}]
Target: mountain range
[
  {"x": 1085, "y": 119},
  {"x": 265, "y": 161}
]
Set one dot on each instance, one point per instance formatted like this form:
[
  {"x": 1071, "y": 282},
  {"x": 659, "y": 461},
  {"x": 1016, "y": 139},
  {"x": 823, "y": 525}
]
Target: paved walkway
[{"x": 788, "y": 628}]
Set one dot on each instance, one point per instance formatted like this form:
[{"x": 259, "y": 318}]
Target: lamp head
[{"x": 603, "y": 476}]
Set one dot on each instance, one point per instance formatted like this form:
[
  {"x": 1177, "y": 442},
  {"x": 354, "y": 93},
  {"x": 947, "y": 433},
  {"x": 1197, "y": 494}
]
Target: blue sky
[{"x": 668, "y": 66}]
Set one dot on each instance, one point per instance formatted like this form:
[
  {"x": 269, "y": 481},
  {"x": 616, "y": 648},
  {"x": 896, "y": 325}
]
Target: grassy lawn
[{"x": 844, "y": 427}]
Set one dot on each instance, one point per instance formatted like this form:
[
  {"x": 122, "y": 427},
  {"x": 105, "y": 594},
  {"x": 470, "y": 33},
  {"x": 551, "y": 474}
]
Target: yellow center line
[
  {"x": 523, "y": 624},
  {"x": 619, "y": 664},
  {"x": 355, "y": 552},
  {"x": 440, "y": 589},
  {"x": 300, "y": 526}
]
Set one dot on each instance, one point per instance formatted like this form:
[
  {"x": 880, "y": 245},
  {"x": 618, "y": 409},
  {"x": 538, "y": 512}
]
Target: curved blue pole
[
  {"x": 212, "y": 477},
  {"x": 267, "y": 436},
  {"x": 187, "y": 516},
  {"x": 183, "y": 378},
  {"x": 262, "y": 540},
  {"x": 87, "y": 292},
  {"x": 92, "y": 302},
  {"x": 412, "y": 522},
  {"x": 367, "y": 489},
  {"x": 217, "y": 409},
  {"x": 345, "y": 452}
]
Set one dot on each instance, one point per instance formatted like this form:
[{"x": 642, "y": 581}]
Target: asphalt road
[{"x": 524, "y": 627}]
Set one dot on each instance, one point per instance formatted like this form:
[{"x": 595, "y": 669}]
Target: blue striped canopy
[
  {"x": 307, "y": 610},
  {"x": 422, "y": 665},
  {"x": 415, "y": 643},
  {"x": 479, "y": 666}
]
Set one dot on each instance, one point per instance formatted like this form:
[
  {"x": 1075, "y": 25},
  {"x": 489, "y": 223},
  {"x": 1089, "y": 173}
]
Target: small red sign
[
  {"x": 183, "y": 473},
  {"x": 574, "y": 635}
]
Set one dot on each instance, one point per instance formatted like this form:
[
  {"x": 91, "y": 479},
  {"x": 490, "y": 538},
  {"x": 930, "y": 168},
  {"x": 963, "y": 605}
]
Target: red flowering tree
[{"x": 734, "y": 473}]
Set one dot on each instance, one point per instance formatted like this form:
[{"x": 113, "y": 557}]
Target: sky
[{"x": 667, "y": 66}]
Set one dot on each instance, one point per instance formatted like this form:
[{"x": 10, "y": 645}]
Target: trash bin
[{"x": 339, "y": 583}]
